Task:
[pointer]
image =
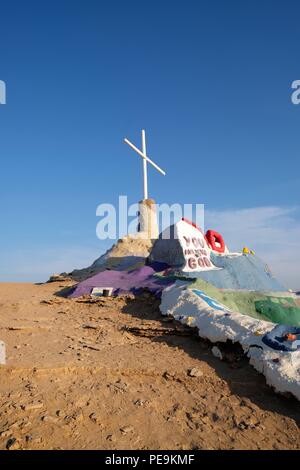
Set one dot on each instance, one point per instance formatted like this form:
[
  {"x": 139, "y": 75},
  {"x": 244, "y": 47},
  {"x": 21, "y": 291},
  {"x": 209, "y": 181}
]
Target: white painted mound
[{"x": 184, "y": 246}]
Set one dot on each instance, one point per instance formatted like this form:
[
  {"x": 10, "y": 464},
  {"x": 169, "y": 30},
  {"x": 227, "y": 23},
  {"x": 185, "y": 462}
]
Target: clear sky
[{"x": 210, "y": 81}]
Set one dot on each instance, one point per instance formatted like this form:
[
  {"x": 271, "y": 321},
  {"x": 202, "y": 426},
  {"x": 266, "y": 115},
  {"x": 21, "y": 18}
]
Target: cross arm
[{"x": 144, "y": 156}]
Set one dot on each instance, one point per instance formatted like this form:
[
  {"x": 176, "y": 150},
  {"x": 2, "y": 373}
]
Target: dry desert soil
[{"x": 115, "y": 374}]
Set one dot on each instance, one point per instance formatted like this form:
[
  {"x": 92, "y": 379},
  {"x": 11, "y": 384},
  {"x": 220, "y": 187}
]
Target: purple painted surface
[{"x": 124, "y": 281}]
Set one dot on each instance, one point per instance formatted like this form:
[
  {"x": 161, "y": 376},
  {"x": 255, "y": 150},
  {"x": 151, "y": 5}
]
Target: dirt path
[{"x": 116, "y": 375}]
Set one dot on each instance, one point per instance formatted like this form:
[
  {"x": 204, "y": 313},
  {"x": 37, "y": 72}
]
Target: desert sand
[{"x": 115, "y": 374}]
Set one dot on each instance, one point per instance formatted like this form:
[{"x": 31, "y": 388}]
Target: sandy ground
[{"x": 114, "y": 374}]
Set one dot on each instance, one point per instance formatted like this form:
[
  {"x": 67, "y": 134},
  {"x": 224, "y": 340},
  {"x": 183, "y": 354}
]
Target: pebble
[
  {"x": 90, "y": 326},
  {"x": 13, "y": 444},
  {"x": 168, "y": 375},
  {"x": 49, "y": 419},
  {"x": 195, "y": 372},
  {"x": 217, "y": 353},
  {"x": 141, "y": 402},
  {"x": 68, "y": 419},
  {"x": 127, "y": 429},
  {"x": 96, "y": 419}
]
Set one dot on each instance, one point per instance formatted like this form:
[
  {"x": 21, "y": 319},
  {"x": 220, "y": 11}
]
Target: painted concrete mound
[
  {"x": 121, "y": 282},
  {"x": 127, "y": 253},
  {"x": 184, "y": 247},
  {"x": 240, "y": 272},
  {"x": 272, "y": 306}
]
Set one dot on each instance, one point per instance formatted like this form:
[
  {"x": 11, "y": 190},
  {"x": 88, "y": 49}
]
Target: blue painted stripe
[{"x": 211, "y": 302}]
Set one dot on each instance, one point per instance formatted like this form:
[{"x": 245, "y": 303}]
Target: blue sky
[{"x": 210, "y": 81}]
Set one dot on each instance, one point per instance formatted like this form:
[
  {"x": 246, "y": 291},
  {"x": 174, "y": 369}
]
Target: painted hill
[{"x": 127, "y": 253}]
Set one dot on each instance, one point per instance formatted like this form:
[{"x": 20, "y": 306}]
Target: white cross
[{"x": 146, "y": 159}]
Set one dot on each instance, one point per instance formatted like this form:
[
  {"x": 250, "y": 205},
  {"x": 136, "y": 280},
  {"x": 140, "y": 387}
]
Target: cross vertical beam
[{"x": 144, "y": 150}]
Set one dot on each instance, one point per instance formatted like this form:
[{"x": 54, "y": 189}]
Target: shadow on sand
[{"x": 242, "y": 379}]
